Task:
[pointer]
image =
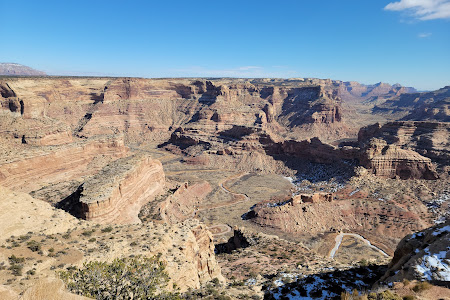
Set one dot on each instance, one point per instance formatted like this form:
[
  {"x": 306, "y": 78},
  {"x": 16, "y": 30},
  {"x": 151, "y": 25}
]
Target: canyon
[{"x": 186, "y": 163}]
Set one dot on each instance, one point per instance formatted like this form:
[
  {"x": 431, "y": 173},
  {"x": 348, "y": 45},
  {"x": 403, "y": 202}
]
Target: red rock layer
[{"x": 62, "y": 164}]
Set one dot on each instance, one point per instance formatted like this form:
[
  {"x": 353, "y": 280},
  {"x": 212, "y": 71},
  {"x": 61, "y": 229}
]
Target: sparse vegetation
[
  {"x": 34, "y": 246},
  {"x": 142, "y": 277},
  {"x": 422, "y": 286},
  {"x": 107, "y": 229}
]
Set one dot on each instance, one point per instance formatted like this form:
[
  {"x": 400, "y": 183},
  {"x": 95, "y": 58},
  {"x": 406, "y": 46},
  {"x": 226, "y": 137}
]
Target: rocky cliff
[
  {"x": 31, "y": 169},
  {"x": 391, "y": 161},
  {"x": 423, "y": 256},
  {"x": 352, "y": 91},
  {"x": 117, "y": 193},
  {"x": 429, "y": 139},
  {"x": 428, "y": 106}
]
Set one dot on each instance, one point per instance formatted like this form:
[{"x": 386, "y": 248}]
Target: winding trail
[
  {"x": 339, "y": 238},
  {"x": 224, "y": 228},
  {"x": 230, "y": 192}
]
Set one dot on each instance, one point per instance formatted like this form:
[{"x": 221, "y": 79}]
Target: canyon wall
[
  {"x": 53, "y": 165},
  {"x": 429, "y": 139},
  {"x": 391, "y": 161}
]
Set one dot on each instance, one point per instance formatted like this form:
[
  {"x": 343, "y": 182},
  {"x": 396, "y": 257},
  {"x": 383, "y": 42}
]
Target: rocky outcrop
[
  {"x": 309, "y": 105},
  {"x": 313, "y": 150},
  {"x": 117, "y": 193},
  {"x": 204, "y": 257},
  {"x": 312, "y": 198},
  {"x": 430, "y": 139},
  {"x": 423, "y": 256},
  {"x": 382, "y": 222},
  {"x": 182, "y": 204},
  {"x": 391, "y": 161},
  {"x": 241, "y": 238}
]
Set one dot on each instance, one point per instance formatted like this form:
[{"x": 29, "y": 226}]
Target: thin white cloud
[
  {"x": 422, "y": 9},
  {"x": 424, "y": 35}
]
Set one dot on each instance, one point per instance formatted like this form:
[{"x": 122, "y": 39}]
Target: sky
[{"x": 404, "y": 41}]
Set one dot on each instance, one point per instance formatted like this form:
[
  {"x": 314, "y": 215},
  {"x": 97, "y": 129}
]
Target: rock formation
[
  {"x": 430, "y": 139},
  {"x": 182, "y": 204},
  {"x": 355, "y": 92},
  {"x": 65, "y": 163},
  {"x": 428, "y": 106},
  {"x": 423, "y": 255},
  {"x": 117, "y": 193},
  {"x": 383, "y": 222},
  {"x": 312, "y": 198},
  {"x": 391, "y": 161}
]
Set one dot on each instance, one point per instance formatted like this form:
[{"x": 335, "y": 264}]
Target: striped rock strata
[{"x": 119, "y": 190}]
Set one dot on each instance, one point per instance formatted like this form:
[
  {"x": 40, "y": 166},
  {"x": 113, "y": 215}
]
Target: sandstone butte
[{"x": 117, "y": 193}]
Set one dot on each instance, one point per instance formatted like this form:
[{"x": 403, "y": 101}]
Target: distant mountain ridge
[{"x": 18, "y": 69}]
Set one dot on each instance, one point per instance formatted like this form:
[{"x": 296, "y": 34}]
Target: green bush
[
  {"x": 16, "y": 269},
  {"x": 422, "y": 286},
  {"x": 16, "y": 260},
  {"x": 34, "y": 246},
  {"x": 87, "y": 233},
  {"x": 107, "y": 229},
  {"x": 136, "y": 277}
]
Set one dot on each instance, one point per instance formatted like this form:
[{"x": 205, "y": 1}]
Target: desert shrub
[
  {"x": 363, "y": 262},
  {"x": 34, "y": 246},
  {"x": 387, "y": 295},
  {"x": 134, "y": 277},
  {"x": 409, "y": 297},
  {"x": 422, "y": 286},
  {"x": 24, "y": 237},
  {"x": 16, "y": 269},
  {"x": 87, "y": 232},
  {"x": 16, "y": 265},
  {"x": 107, "y": 229},
  {"x": 16, "y": 260},
  {"x": 31, "y": 272}
]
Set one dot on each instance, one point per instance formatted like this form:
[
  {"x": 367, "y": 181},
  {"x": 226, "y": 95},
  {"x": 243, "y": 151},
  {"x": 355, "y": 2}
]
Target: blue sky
[{"x": 404, "y": 41}]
